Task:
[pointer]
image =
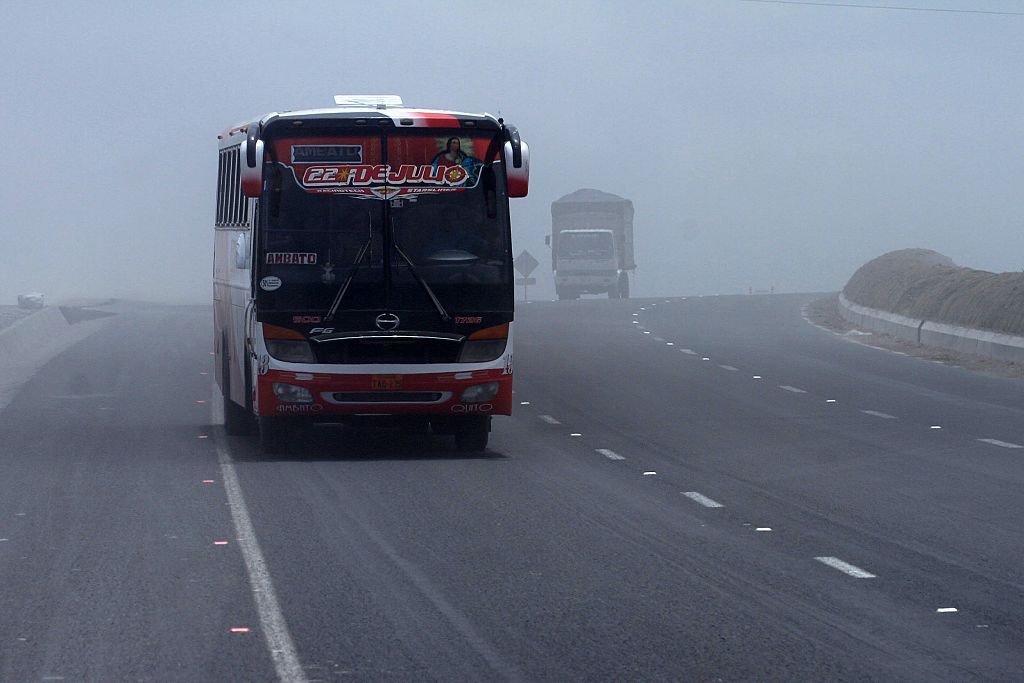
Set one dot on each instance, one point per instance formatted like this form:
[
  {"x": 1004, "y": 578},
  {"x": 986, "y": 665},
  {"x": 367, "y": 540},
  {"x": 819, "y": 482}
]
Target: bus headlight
[
  {"x": 481, "y": 351},
  {"x": 290, "y": 351},
  {"x": 484, "y": 345},
  {"x": 480, "y": 392},
  {"x": 289, "y": 393}
]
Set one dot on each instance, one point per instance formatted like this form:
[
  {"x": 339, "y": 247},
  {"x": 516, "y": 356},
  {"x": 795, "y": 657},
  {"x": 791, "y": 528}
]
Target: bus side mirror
[
  {"x": 251, "y": 156},
  {"x": 518, "y": 177}
]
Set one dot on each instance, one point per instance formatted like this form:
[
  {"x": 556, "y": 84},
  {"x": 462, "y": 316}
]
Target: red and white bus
[{"x": 363, "y": 267}]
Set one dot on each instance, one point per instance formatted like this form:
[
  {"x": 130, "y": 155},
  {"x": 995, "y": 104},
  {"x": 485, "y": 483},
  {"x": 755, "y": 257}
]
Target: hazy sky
[{"x": 762, "y": 144}]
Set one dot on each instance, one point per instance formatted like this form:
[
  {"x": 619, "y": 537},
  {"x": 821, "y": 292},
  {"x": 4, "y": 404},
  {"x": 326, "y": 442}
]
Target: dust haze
[{"x": 763, "y": 145}]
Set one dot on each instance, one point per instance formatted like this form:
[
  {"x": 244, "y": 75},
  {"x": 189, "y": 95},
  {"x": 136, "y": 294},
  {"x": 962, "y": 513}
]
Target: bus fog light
[
  {"x": 289, "y": 393},
  {"x": 480, "y": 392}
]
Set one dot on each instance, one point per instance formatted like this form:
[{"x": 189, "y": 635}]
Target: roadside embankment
[
  {"x": 32, "y": 340},
  {"x": 922, "y": 296}
]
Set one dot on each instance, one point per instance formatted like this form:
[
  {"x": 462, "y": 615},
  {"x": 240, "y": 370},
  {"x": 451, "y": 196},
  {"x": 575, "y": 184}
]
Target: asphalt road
[{"x": 655, "y": 510}]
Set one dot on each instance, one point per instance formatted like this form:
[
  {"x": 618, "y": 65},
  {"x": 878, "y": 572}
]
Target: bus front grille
[{"x": 386, "y": 397}]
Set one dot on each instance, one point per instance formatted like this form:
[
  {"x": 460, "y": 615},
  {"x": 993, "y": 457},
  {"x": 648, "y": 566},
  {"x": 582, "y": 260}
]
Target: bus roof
[{"x": 400, "y": 116}]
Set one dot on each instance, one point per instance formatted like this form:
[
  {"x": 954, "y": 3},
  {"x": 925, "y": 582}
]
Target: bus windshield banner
[{"x": 354, "y": 166}]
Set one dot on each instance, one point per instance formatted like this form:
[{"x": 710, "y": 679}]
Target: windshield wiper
[
  {"x": 348, "y": 281},
  {"x": 419, "y": 278}
]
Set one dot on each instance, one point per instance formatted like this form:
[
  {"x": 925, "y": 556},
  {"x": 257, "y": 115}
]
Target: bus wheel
[
  {"x": 276, "y": 434},
  {"x": 471, "y": 436},
  {"x": 237, "y": 420},
  {"x": 624, "y": 286}
]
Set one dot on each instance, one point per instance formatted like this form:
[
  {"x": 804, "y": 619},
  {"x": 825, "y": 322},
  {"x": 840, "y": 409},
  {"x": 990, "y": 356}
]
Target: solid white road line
[
  {"x": 729, "y": 368},
  {"x": 884, "y": 416},
  {"x": 702, "y": 499},
  {"x": 794, "y": 390},
  {"x": 275, "y": 630},
  {"x": 845, "y": 567},
  {"x": 1004, "y": 444},
  {"x": 611, "y": 455},
  {"x": 550, "y": 420}
]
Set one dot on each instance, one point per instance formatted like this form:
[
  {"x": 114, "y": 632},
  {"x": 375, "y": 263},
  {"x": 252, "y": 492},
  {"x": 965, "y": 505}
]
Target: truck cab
[{"x": 587, "y": 262}]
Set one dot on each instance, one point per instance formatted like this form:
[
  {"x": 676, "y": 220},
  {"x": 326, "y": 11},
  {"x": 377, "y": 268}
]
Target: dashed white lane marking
[
  {"x": 936, "y": 427},
  {"x": 275, "y": 629},
  {"x": 702, "y": 499},
  {"x": 524, "y": 403},
  {"x": 946, "y": 609},
  {"x": 794, "y": 390},
  {"x": 763, "y": 528},
  {"x": 757, "y": 377},
  {"x": 550, "y": 420},
  {"x": 575, "y": 434},
  {"x": 705, "y": 358},
  {"x": 689, "y": 352},
  {"x": 669, "y": 343},
  {"x": 647, "y": 331},
  {"x": 884, "y": 416},
  {"x": 611, "y": 455},
  {"x": 1004, "y": 444},
  {"x": 650, "y": 474},
  {"x": 830, "y": 400},
  {"x": 729, "y": 368},
  {"x": 845, "y": 567}
]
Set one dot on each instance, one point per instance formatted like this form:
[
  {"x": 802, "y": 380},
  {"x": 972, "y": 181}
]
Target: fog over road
[{"x": 689, "y": 488}]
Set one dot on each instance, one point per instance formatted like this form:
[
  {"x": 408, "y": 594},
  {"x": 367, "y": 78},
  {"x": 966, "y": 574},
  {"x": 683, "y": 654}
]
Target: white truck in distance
[{"x": 591, "y": 244}]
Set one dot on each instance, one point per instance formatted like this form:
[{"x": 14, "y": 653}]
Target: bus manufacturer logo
[{"x": 387, "y": 322}]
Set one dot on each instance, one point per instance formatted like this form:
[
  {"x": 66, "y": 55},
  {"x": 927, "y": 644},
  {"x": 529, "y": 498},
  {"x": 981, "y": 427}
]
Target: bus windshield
[{"x": 428, "y": 226}]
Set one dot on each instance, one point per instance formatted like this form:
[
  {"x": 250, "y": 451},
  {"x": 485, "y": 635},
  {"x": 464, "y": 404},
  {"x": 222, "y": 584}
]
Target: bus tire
[
  {"x": 472, "y": 435},
  {"x": 567, "y": 295},
  {"x": 238, "y": 421},
  {"x": 624, "y": 286},
  {"x": 613, "y": 293},
  {"x": 276, "y": 434}
]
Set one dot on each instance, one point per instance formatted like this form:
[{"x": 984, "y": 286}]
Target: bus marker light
[
  {"x": 275, "y": 332},
  {"x": 496, "y": 332}
]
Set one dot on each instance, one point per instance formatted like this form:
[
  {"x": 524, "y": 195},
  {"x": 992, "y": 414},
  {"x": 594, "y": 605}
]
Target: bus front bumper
[{"x": 321, "y": 395}]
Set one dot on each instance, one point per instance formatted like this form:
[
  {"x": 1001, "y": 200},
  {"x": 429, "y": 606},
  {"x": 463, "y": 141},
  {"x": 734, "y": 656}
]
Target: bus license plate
[{"x": 386, "y": 382}]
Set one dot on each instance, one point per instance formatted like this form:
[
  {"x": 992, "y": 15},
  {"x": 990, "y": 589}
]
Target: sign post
[{"x": 525, "y": 263}]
